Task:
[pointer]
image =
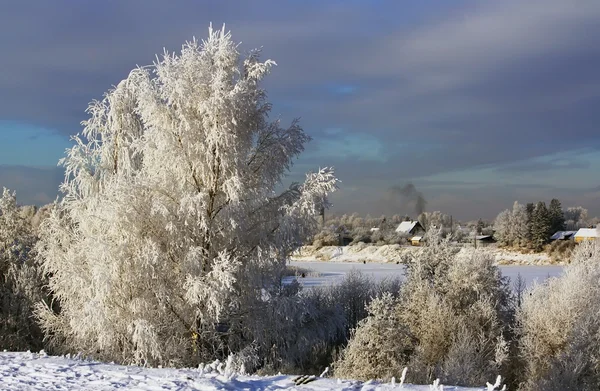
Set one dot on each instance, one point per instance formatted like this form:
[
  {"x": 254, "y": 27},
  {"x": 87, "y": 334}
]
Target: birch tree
[
  {"x": 518, "y": 221},
  {"x": 170, "y": 239}
]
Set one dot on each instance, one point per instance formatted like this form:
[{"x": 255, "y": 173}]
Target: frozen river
[{"x": 332, "y": 272}]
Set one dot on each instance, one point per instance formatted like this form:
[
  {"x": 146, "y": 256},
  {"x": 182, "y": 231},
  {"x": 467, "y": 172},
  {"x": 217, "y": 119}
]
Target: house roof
[
  {"x": 560, "y": 235},
  {"x": 416, "y": 238},
  {"x": 407, "y": 226},
  {"x": 483, "y": 237},
  {"x": 587, "y": 233}
]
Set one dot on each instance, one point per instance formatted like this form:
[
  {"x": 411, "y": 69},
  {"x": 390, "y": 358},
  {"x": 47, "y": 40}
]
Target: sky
[{"x": 476, "y": 103}]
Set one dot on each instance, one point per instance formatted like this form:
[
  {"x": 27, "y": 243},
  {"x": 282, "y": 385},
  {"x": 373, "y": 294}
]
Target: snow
[
  {"x": 33, "y": 371},
  {"x": 333, "y": 272},
  {"x": 395, "y": 253}
]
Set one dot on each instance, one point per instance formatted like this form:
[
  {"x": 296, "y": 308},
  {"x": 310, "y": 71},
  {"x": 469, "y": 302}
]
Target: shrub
[
  {"x": 561, "y": 250},
  {"x": 360, "y": 235},
  {"x": 326, "y": 238},
  {"x": 379, "y": 347},
  {"x": 303, "y": 330},
  {"x": 21, "y": 280},
  {"x": 558, "y": 324},
  {"x": 449, "y": 322}
]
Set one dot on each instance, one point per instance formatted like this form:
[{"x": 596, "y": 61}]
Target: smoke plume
[{"x": 408, "y": 194}]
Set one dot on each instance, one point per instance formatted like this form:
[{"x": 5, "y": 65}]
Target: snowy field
[
  {"x": 31, "y": 371},
  {"x": 332, "y": 272}
]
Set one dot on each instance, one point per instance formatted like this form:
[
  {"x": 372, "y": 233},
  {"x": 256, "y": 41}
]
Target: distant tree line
[
  {"x": 353, "y": 229},
  {"x": 532, "y": 225}
]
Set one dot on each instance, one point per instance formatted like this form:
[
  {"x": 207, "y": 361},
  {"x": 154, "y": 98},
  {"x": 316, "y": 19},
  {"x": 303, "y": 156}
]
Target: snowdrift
[{"x": 33, "y": 371}]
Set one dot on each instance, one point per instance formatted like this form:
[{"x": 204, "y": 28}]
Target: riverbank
[{"x": 401, "y": 254}]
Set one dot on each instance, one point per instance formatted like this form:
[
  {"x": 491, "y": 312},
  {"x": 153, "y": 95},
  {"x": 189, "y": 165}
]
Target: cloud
[
  {"x": 391, "y": 92},
  {"x": 34, "y": 185}
]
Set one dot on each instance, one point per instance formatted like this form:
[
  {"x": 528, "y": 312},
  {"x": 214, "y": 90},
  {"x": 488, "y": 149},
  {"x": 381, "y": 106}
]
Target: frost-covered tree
[
  {"x": 170, "y": 239},
  {"x": 502, "y": 228},
  {"x": 511, "y": 227},
  {"x": 576, "y": 217},
  {"x": 20, "y": 280},
  {"x": 435, "y": 219},
  {"x": 518, "y": 223},
  {"x": 559, "y": 327}
]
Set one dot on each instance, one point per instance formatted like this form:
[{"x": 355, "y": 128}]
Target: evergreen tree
[
  {"x": 540, "y": 227},
  {"x": 557, "y": 217},
  {"x": 479, "y": 227},
  {"x": 529, "y": 210}
]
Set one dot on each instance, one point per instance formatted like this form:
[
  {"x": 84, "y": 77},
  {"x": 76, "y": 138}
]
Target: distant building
[
  {"x": 586, "y": 234},
  {"x": 411, "y": 228},
  {"x": 416, "y": 240},
  {"x": 374, "y": 229},
  {"x": 484, "y": 240},
  {"x": 563, "y": 235}
]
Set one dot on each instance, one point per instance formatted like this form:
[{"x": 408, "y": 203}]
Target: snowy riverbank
[
  {"x": 31, "y": 371},
  {"x": 400, "y": 254}
]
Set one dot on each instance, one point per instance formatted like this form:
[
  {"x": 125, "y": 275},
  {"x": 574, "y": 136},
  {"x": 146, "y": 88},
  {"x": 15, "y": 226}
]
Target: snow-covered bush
[
  {"x": 326, "y": 238},
  {"x": 360, "y": 235},
  {"x": 393, "y": 237},
  {"x": 354, "y": 293},
  {"x": 170, "y": 241},
  {"x": 380, "y": 345},
  {"x": 559, "y": 326},
  {"x": 453, "y": 313},
  {"x": 310, "y": 327},
  {"x": 377, "y": 237},
  {"x": 561, "y": 250},
  {"x": 21, "y": 282}
]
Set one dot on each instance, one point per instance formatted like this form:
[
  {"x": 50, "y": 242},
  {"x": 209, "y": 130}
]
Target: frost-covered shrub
[
  {"x": 393, "y": 237},
  {"x": 306, "y": 329},
  {"x": 450, "y": 308},
  {"x": 295, "y": 329},
  {"x": 356, "y": 291},
  {"x": 21, "y": 281},
  {"x": 326, "y": 238},
  {"x": 170, "y": 242},
  {"x": 360, "y": 235},
  {"x": 561, "y": 250},
  {"x": 380, "y": 345},
  {"x": 559, "y": 326},
  {"x": 377, "y": 237}
]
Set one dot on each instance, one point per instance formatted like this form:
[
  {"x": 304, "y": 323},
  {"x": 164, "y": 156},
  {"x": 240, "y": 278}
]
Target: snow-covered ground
[
  {"x": 31, "y": 371},
  {"x": 333, "y": 272},
  {"x": 395, "y": 253}
]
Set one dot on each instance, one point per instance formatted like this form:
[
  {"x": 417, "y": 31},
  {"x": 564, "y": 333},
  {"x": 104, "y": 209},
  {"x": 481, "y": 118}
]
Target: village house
[
  {"x": 413, "y": 228},
  {"x": 586, "y": 234},
  {"x": 563, "y": 235},
  {"x": 410, "y": 228}
]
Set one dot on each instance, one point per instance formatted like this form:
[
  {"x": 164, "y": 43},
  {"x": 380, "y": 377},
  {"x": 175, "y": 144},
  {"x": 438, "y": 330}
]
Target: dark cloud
[{"x": 412, "y": 89}]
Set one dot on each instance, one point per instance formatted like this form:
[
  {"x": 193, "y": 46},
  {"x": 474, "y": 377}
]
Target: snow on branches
[{"x": 170, "y": 222}]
